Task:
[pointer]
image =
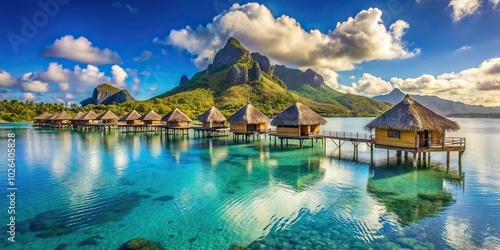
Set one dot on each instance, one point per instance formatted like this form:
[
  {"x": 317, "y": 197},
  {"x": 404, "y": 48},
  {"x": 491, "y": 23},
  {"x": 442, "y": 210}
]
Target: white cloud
[
  {"x": 152, "y": 89},
  {"x": 29, "y": 84},
  {"x": 495, "y": 3},
  {"x": 463, "y": 48},
  {"x": 145, "y": 73},
  {"x": 370, "y": 85},
  {"x": 358, "y": 39},
  {"x": 352, "y": 77},
  {"x": 135, "y": 78},
  {"x": 119, "y": 76},
  {"x": 463, "y": 8},
  {"x": 144, "y": 56},
  {"x": 479, "y": 85},
  {"x": 80, "y": 79},
  {"x": 28, "y": 97},
  {"x": 80, "y": 50},
  {"x": 7, "y": 80}
]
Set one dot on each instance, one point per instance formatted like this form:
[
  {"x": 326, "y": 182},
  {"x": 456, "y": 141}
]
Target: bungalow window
[{"x": 393, "y": 134}]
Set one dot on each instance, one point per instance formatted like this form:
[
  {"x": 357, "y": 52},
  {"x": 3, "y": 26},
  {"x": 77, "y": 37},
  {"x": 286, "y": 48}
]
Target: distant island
[
  {"x": 443, "y": 106},
  {"x": 234, "y": 78}
]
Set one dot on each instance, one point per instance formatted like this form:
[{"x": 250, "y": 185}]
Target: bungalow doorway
[{"x": 423, "y": 138}]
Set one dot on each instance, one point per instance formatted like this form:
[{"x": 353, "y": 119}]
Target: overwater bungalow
[
  {"x": 411, "y": 127},
  {"x": 41, "y": 120},
  {"x": 297, "y": 120},
  {"x": 212, "y": 118},
  {"x": 248, "y": 120},
  {"x": 85, "y": 119},
  {"x": 177, "y": 118},
  {"x": 108, "y": 118},
  {"x": 60, "y": 119},
  {"x": 74, "y": 119},
  {"x": 132, "y": 118},
  {"x": 150, "y": 118}
]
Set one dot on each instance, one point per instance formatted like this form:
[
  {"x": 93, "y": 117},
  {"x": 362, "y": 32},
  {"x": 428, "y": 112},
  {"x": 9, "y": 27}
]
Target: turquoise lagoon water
[{"x": 191, "y": 193}]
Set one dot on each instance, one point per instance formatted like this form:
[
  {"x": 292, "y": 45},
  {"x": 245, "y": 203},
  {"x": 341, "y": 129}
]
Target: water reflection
[{"x": 410, "y": 194}]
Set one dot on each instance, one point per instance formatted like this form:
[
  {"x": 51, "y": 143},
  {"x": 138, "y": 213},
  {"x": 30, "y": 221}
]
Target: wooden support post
[
  {"x": 414, "y": 160},
  {"x": 419, "y": 159},
  {"x": 447, "y": 158},
  {"x": 371, "y": 153},
  {"x": 429, "y": 158}
]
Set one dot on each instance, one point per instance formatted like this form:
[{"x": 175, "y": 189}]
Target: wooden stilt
[
  {"x": 448, "y": 158},
  {"x": 414, "y": 160}
]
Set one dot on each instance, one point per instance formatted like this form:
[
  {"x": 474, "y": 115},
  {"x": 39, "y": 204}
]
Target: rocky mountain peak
[{"x": 230, "y": 54}]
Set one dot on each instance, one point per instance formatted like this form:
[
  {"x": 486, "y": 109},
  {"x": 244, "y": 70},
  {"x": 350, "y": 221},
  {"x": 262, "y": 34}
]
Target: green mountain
[
  {"x": 237, "y": 76},
  {"x": 107, "y": 94}
]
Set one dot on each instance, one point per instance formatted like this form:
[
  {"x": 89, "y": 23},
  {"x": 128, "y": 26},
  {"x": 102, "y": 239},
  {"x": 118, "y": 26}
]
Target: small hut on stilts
[
  {"x": 297, "y": 122},
  {"x": 151, "y": 120},
  {"x": 411, "y": 127},
  {"x": 132, "y": 121},
  {"x": 177, "y": 122},
  {"x": 108, "y": 120},
  {"x": 41, "y": 120},
  {"x": 213, "y": 123},
  {"x": 248, "y": 121}
]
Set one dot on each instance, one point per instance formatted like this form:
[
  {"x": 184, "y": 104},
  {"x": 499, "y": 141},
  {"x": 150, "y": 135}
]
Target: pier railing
[
  {"x": 346, "y": 135},
  {"x": 445, "y": 142}
]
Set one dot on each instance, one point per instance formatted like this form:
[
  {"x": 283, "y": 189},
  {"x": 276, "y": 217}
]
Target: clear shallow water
[{"x": 211, "y": 193}]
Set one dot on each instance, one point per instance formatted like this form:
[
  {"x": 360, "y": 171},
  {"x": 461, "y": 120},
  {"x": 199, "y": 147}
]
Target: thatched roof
[
  {"x": 176, "y": 116},
  {"x": 134, "y": 115},
  {"x": 78, "y": 115},
  {"x": 212, "y": 115},
  {"x": 248, "y": 115},
  {"x": 43, "y": 116},
  {"x": 108, "y": 115},
  {"x": 3, "y": 121},
  {"x": 150, "y": 116},
  {"x": 60, "y": 116},
  {"x": 88, "y": 116},
  {"x": 413, "y": 116},
  {"x": 298, "y": 114}
]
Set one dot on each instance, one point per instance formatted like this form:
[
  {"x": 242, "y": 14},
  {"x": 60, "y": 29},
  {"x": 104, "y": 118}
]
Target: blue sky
[{"x": 59, "y": 50}]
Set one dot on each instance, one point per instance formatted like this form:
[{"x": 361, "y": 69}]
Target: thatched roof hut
[
  {"x": 409, "y": 124},
  {"x": 91, "y": 115},
  {"x": 297, "y": 115},
  {"x": 248, "y": 115},
  {"x": 212, "y": 118},
  {"x": 42, "y": 117},
  {"x": 133, "y": 115},
  {"x": 410, "y": 115},
  {"x": 108, "y": 117},
  {"x": 176, "y": 116},
  {"x": 151, "y": 117},
  {"x": 298, "y": 120},
  {"x": 61, "y": 116},
  {"x": 77, "y": 116}
]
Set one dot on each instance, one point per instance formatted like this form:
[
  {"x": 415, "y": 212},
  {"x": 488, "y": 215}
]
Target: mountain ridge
[
  {"x": 107, "y": 94},
  {"x": 439, "y": 105},
  {"x": 237, "y": 76}
]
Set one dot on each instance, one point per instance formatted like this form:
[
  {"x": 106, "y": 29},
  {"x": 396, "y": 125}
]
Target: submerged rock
[
  {"x": 92, "y": 241},
  {"x": 236, "y": 246},
  {"x": 436, "y": 197},
  {"x": 141, "y": 243},
  {"x": 61, "y": 246},
  {"x": 164, "y": 198}
]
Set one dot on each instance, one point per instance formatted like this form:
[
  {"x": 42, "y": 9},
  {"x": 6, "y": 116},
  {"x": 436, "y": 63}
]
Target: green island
[{"x": 235, "y": 77}]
